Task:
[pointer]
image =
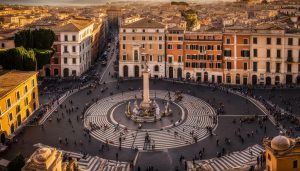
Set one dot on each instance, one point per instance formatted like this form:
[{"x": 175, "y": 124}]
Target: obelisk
[{"x": 146, "y": 98}]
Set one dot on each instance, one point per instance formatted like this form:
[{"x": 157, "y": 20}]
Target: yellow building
[
  {"x": 49, "y": 159},
  {"x": 18, "y": 100},
  {"x": 282, "y": 154}
]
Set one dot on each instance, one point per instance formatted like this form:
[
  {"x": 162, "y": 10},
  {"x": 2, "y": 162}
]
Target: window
[
  {"x": 219, "y": 47},
  {"x": 290, "y": 41},
  {"x": 150, "y": 46},
  {"x": 133, "y": 38},
  {"x": 151, "y": 57},
  {"x": 143, "y": 38},
  {"x": 254, "y": 52},
  {"x": 160, "y": 38},
  {"x": 18, "y": 96},
  {"x": 278, "y": 41},
  {"x": 179, "y": 58},
  {"x": 26, "y": 101},
  {"x": 73, "y": 38},
  {"x": 245, "y": 41},
  {"x": 277, "y": 67},
  {"x": 26, "y": 89},
  {"x": 124, "y": 37},
  {"x": 254, "y": 40},
  {"x": 32, "y": 83},
  {"x": 228, "y": 79},
  {"x": 55, "y": 60},
  {"x": 123, "y": 46},
  {"x": 124, "y": 30},
  {"x": 245, "y": 53},
  {"x": 143, "y": 46},
  {"x": 187, "y": 46},
  {"x": 228, "y": 65},
  {"x": 124, "y": 57},
  {"x": 18, "y": 109},
  {"x": 179, "y": 47},
  {"x": 170, "y": 38},
  {"x": 65, "y": 60},
  {"x": 170, "y": 46},
  {"x": 10, "y": 117},
  {"x": 219, "y": 57},
  {"x": 136, "y": 55},
  {"x": 156, "y": 68},
  {"x": 278, "y": 53},
  {"x": 65, "y": 49},
  {"x": 268, "y": 53},
  {"x": 268, "y": 67},
  {"x": 299, "y": 42},
  {"x": 202, "y": 49},
  {"x": 245, "y": 66},
  {"x": 290, "y": 56},
  {"x": 255, "y": 66},
  {"x": 160, "y": 46},
  {"x": 269, "y": 40},
  {"x": 73, "y": 48},
  {"x": 144, "y": 30},
  {"x": 2, "y": 45},
  {"x": 160, "y": 58},
  {"x": 8, "y": 103},
  {"x": 33, "y": 95},
  {"x": 210, "y": 47},
  {"x": 227, "y": 41},
  {"x": 74, "y": 60},
  {"x": 66, "y": 38},
  {"x": 295, "y": 164},
  {"x": 150, "y": 37},
  {"x": 170, "y": 59},
  {"x": 289, "y": 67},
  {"x": 227, "y": 53},
  {"x": 180, "y": 38}
]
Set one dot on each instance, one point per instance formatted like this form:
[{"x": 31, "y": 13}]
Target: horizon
[{"x": 96, "y": 2}]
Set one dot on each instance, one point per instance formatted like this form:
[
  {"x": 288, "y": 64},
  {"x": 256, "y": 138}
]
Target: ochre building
[{"x": 18, "y": 100}]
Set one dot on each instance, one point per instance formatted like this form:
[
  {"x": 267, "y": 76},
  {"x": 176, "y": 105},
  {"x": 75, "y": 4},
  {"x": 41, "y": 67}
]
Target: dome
[
  {"x": 42, "y": 155},
  {"x": 280, "y": 143}
]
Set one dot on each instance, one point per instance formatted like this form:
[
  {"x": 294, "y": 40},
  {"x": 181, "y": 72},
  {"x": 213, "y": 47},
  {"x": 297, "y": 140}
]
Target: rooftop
[
  {"x": 74, "y": 26},
  {"x": 145, "y": 23},
  {"x": 12, "y": 79}
]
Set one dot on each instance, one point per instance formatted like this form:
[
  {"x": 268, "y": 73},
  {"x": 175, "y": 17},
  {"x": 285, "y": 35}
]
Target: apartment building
[
  {"x": 174, "y": 50},
  {"x": 142, "y": 41},
  {"x": 275, "y": 56},
  {"x": 266, "y": 54},
  {"x": 73, "y": 47},
  {"x": 18, "y": 100},
  {"x": 236, "y": 51},
  {"x": 203, "y": 56}
]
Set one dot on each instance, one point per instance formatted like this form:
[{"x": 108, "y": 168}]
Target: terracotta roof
[
  {"x": 74, "y": 26},
  {"x": 145, "y": 23},
  {"x": 13, "y": 79}
]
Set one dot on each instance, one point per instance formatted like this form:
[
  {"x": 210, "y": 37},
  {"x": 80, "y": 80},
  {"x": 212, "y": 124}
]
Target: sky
[{"x": 86, "y": 2}]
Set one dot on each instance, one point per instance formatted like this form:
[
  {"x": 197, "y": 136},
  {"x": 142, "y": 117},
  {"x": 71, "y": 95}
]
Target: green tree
[
  {"x": 39, "y": 39},
  {"x": 43, "y": 38},
  {"x": 17, "y": 163},
  {"x": 43, "y": 57}
]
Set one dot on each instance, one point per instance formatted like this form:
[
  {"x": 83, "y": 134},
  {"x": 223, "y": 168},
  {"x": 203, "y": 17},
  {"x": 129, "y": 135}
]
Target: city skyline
[{"x": 98, "y": 2}]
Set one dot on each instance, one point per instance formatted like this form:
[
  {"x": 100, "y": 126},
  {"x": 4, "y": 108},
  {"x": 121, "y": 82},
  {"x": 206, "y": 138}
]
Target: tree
[
  {"x": 17, "y": 163},
  {"x": 43, "y": 57},
  {"x": 18, "y": 58},
  {"x": 43, "y": 38},
  {"x": 39, "y": 39}
]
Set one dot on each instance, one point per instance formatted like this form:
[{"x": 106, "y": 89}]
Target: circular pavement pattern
[{"x": 197, "y": 115}]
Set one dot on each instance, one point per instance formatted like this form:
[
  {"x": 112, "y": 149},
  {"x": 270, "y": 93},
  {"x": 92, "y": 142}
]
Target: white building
[{"x": 73, "y": 47}]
